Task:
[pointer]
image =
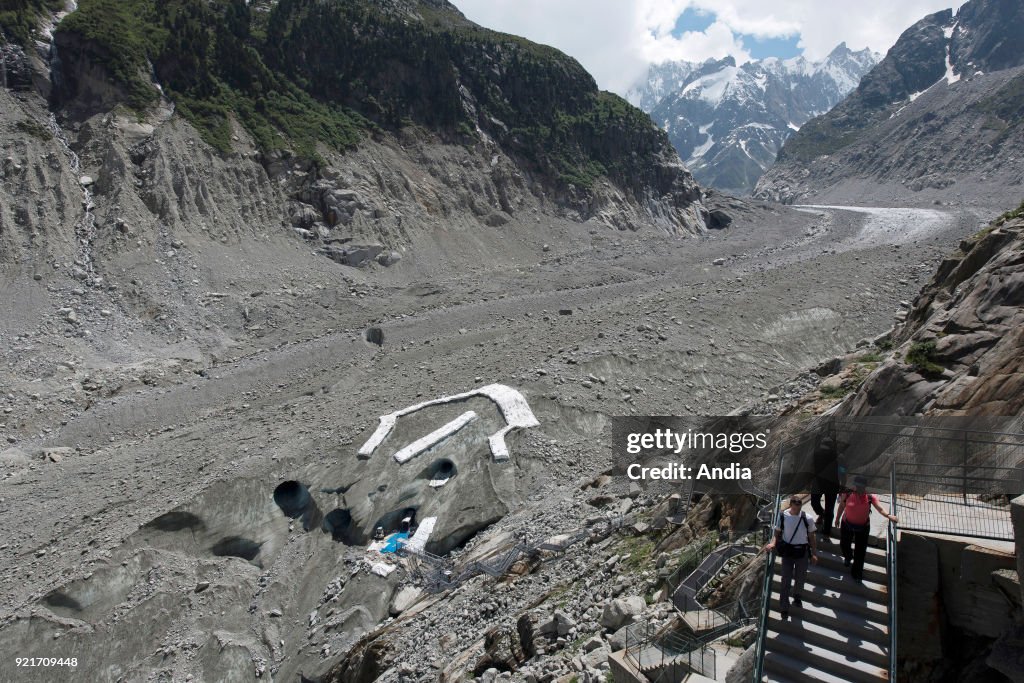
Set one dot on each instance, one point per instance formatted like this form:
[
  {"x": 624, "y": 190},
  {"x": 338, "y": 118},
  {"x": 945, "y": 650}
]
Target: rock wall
[
  {"x": 952, "y": 602},
  {"x": 935, "y": 122},
  {"x": 958, "y": 351}
]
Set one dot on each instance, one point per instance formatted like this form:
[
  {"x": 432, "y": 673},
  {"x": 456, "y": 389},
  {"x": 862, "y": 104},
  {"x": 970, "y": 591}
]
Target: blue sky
[
  {"x": 697, "y": 21},
  {"x": 617, "y": 40}
]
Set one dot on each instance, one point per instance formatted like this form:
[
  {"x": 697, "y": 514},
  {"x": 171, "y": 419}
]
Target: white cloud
[{"x": 616, "y": 39}]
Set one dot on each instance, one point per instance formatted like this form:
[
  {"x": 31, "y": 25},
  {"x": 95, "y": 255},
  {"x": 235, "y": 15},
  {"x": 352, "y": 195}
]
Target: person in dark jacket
[{"x": 826, "y": 484}]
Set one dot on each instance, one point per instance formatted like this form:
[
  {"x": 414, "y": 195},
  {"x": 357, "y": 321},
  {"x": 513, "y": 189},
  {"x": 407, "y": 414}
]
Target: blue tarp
[{"x": 392, "y": 545}]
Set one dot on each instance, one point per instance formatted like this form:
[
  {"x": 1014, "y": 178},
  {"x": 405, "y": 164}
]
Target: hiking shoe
[{"x": 798, "y": 602}]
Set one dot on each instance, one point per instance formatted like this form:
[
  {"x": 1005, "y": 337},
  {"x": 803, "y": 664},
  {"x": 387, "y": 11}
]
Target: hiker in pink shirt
[{"x": 855, "y": 513}]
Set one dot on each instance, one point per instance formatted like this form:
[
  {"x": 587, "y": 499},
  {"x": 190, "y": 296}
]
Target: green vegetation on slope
[
  {"x": 19, "y": 19},
  {"x": 302, "y": 72},
  {"x": 1010, "y": 215},
  {"x": 922, "y": 356},
  {"x": 207, "y": 59}
]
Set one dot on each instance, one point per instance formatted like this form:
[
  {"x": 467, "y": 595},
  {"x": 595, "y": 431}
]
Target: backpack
[{"x": 787, "y": 549}]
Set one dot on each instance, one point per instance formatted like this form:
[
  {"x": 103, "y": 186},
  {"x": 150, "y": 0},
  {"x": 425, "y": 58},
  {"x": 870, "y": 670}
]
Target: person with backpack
[
  {"x": 794, "y": 539},
  {"x": 855, "y": 526}
]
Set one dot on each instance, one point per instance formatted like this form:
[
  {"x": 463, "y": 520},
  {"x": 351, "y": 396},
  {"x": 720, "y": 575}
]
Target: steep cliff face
[
  {"x": 304, "y": 79},
  {"x": 939, "y": 116}
]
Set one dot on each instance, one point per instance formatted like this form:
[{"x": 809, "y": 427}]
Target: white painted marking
[
  {"x": 419, "y": 540},
  {"x": 433, "y": 438},
  {"x": 512, "y": 404}
]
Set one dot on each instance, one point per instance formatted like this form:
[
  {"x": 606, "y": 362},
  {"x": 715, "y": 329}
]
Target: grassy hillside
[{"x": 301, "y": 72}]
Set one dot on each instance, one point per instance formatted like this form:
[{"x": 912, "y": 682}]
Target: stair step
[
  {"x": 840, "y": 580},
  {"x": 871, "y": 622},
  {"x": 843, "y": 595},
  {"x": 841, "y": 643},
  {"x": 872, "y": 572},
  {"x": 872, "y": 556},
  {"x": 823, "y": 658},
  {"x": 779, "y": 668}
]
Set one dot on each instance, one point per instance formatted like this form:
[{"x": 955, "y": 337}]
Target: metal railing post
[
  {"x": 964, "y": 465},
  {"x": 766, "y": 591},
  {"x": 893, "y": 584}
]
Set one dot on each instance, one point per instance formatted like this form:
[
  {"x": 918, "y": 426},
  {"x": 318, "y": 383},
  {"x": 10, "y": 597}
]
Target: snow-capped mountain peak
[{"x": 728, "y": 121}]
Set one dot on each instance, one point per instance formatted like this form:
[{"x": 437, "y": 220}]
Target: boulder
[
  {"x": 404, "y": 599},
  {"x": 622, "y": 611},
  {"x": 14, "y": 456},
  {"x": 303, "y": 215},
  {"x": 496, "y": 219},
  {"x": 563, "y": 623},
  {"x": 617, "y": 640},
  {"x": 360, "y": 254},
  {"x": 1007, "y": 655},
  {"x": 388, "y": 258},
  {"x": 718, "y": 219},
  {"x": 743, "y": 670}
]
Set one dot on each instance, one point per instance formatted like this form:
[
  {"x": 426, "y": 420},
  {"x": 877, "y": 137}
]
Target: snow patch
[
  {"x": 382, "y": 568},
  {"x": 951, "y": 77},
  {"x": 512, "y": 404},
  {"x": 701, "y": 150},
  {"x": 713, "y": 87}
]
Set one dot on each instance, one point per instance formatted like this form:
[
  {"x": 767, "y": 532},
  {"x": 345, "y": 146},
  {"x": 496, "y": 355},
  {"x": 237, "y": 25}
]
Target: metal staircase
[{"x": 841, "y": 633}]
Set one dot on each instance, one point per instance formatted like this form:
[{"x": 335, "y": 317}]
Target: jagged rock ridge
[
  {"x": 940, "y": 116},
  {"x": 728, "y": 121}
]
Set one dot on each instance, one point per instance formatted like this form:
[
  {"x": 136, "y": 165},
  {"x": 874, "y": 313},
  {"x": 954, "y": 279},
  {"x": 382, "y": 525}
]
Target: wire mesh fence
[{"x": 951, "y": 476}]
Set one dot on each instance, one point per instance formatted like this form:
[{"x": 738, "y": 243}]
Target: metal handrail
[
  {"x": 859, "y": 425},
  {"x": 676, "y": 651},
  {"x": 891, "y": 554},
  {"x": 769, "y": 570}
]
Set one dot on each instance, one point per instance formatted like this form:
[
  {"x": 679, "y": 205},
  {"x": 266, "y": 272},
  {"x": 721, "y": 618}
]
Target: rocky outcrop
[
  {"x": 958, "y": 352},
  {"x": 343, "y": 73},
  {"x": 939, "y": 116}
]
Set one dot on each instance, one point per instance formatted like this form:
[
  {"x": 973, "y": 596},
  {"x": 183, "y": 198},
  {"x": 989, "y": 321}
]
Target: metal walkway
[
  {"x": 943, "y": 478},
  {"x": 840, "y": 633}
]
